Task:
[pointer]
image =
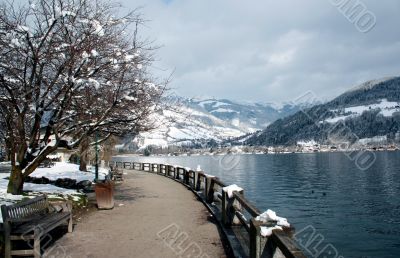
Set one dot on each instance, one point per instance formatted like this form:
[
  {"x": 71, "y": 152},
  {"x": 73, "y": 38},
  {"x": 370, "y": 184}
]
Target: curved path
[{"x": 153, "y": 217}]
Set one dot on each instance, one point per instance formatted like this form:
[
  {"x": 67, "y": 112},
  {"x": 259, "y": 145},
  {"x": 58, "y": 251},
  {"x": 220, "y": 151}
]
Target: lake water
[{"x": 356, "y": 212}]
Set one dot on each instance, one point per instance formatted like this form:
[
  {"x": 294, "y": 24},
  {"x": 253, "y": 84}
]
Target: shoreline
[{"x": 128, "y": 155}]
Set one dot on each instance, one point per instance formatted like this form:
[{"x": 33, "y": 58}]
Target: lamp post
[{"x": 96, "y": 167}]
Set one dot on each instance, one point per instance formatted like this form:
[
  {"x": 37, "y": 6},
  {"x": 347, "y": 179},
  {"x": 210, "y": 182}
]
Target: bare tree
[{"x": 69, "y": 68}]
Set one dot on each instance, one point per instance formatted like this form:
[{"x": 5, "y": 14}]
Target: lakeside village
[{"x": 378, "y": 143}]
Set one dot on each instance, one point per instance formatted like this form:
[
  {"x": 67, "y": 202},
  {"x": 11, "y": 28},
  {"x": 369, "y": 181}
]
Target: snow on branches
[{"x": 72, "y": 64}]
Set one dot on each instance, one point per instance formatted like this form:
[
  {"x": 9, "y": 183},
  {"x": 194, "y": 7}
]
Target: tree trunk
[
  {"x": 17, "y": 179},
  {"x": 83, "y": 153},
  {"x": 16, "y": 182}
]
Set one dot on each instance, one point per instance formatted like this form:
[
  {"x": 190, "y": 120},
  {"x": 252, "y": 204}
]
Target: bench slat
[
  {"x": 20, "y": 212},
  {"x": 22, "y": 252},
  {"x": 42, "y": 223},
  {"x": 22, "y": 237}
]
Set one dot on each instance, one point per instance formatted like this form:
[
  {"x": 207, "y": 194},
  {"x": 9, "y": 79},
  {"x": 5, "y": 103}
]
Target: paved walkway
[{"x": 153, "y": 217}]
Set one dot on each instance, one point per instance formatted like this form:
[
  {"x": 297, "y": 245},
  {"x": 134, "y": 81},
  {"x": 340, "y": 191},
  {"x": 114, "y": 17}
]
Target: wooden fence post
[
  {"x": 186, "y": 176},
  {"x": 228, "y": 217},
  {"x": 237, "y": 206},
  {"x": 167, "y": 170},
  {"x": 209, "y": 189},
  {"x": 199, "y": 176},
  {"x": 225, "y": 209},
  {"x": 207, "y": 182},
  {"x": 255, "y": 238}
]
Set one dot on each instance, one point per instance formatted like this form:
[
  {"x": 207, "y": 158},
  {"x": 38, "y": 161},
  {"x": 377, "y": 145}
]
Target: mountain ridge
[{"x": 365, "y": 111}]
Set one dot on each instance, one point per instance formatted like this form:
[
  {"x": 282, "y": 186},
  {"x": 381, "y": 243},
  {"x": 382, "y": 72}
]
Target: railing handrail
[{"x": 250, "y": 208}]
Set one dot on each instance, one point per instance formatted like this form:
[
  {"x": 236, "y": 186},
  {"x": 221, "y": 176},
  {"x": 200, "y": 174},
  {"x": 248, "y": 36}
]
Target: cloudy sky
[{"x": 268, "y": 50}]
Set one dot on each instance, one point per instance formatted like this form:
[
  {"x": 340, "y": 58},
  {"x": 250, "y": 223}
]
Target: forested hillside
[{"x": 364, "y": 112}]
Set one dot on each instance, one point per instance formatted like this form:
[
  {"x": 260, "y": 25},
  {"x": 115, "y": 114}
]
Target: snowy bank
[
  {"x": 58, "y": 171},
  {"x": 32, "y": 190},
  {"x": 68, "y": 170}
]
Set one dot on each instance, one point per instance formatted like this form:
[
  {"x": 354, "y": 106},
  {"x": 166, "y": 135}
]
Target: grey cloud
[{"x": 269, "y": 51}]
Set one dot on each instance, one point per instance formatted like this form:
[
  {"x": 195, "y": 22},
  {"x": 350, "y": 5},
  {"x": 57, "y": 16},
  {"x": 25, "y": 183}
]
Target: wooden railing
[{"x": 236, "y": 214}]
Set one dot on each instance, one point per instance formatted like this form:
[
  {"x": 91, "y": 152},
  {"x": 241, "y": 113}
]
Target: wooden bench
[
  {"x": 30, "y": 220},
  {"x": 116, "y": 173}
]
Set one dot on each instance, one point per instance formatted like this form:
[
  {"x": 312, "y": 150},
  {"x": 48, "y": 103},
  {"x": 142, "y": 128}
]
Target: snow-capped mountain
[
  {"x": 249, "y": 117},
  {"x": 201, "y": 122}
]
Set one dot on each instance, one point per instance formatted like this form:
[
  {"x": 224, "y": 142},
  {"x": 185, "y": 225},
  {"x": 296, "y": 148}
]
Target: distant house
[{"x": 63, "y": 152}]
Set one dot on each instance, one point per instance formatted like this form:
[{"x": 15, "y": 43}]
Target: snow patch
[
  {"x": 223, "y": 110},
  {"x": 94, "y": 53},
  {"x": 22, "y": 28},
  {"x": 67, "y": 13},
  {"x": 270, "y": 216},
  {"x": 267, "y": 231},
  {"x": 213, "y": 103},
  {"x": 387, "y": 109},
  {"x": 232, "y": 188},
  {"x": 98, "y": 29},
  {"x": 68, "y": 170},
  {"x": 375, "y": 139}
]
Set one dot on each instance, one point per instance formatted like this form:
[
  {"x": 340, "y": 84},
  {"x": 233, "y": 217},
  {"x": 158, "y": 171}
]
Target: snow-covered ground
[
  {"x": 59, "y": 170},
  {"x": 375, "y": 139},
  {"x": 68, "y": 170},
  {"x": 35, "y": 189},
  {"x": 387, "y": 108}
]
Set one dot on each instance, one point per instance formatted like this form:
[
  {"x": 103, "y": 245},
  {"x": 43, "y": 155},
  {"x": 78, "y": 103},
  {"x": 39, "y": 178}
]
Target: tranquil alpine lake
[{"x": 356, "y": 211}]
